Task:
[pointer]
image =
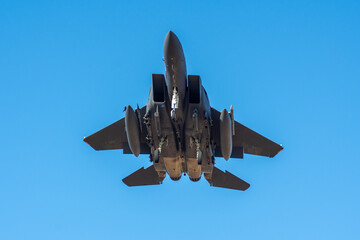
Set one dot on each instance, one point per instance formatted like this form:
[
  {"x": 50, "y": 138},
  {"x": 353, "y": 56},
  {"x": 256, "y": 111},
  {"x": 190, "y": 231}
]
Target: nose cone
[
  {"x": 172, "y": 47},
  {"x": 171, "y": 36}
]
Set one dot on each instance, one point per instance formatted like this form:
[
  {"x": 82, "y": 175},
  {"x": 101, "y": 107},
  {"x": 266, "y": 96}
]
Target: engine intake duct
[
  {"x": 158, "y": 86},
  {"x": 194, "y": 82}
]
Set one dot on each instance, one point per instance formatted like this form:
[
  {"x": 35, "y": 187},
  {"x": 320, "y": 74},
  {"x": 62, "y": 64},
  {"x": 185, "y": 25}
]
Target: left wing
[
  {"x": 245, "y": 140},
  {"x": 111, "y": 137},
  {"x": 254, "y": 143},
  {"x": 114, "y": 137}
]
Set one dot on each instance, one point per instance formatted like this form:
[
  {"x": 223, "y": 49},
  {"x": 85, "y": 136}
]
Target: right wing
[
  {"x": 254, "y": 143},
  {"x": 245, "y": 140},
  {"x": 114, "y": 137}
]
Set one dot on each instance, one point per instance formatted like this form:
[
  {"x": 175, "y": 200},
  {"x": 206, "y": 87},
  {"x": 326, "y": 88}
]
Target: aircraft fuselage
[
  {"x": 179, "y": 146},
  {"x": 180, "y": 130}
]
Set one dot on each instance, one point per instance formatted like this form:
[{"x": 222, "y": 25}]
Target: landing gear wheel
[
  {"x": 156, "y": 156},
  {"x": 199, "y": 156},
  {"x": 173, "y": 115}
]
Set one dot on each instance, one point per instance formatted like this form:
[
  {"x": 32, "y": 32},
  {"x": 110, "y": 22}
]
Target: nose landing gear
[{"x": 174, "y": 103}]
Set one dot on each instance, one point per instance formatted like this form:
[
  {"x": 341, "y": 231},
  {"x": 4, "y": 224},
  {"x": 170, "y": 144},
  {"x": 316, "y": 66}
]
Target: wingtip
[
  {"x": 281, "y": 148},
  {"x": 125, "y": 182},
  {"x": 85, "y": 139}
]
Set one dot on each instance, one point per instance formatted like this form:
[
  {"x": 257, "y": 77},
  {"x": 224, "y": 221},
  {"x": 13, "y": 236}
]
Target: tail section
[
  {"x": 142, "y": 177},
  {"x": 226, "y": 180}
]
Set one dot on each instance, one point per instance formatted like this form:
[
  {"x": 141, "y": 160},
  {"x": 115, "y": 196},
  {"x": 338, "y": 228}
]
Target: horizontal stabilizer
[
  {"x": 227, "y": 180},
  {"x": 143, "y": 177}
]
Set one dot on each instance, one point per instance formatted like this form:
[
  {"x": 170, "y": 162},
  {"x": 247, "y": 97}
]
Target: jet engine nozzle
[
  {"x": 132, "y": 131},
  {"x": 225, "y": 134}
]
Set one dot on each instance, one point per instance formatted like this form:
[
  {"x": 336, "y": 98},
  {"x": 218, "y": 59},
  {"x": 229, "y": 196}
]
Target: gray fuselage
[
  {"x": 180, "y": 130},
  {"x": 180, "y": 125}
]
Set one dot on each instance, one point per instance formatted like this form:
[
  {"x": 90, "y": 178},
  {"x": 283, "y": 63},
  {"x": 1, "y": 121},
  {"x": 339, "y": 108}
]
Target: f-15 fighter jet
[{"x": 180, "y": 131}]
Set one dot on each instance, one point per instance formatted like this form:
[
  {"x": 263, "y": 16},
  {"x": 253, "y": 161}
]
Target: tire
[
  {"x": 156, "y": 156},
  {"x": 199, "y": 156}
]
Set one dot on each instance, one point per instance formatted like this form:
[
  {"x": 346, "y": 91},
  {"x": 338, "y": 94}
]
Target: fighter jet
[{"x": 180, "y": 131}]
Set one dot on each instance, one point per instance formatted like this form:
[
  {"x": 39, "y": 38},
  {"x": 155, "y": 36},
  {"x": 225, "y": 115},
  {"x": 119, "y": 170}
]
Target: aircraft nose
[
  {"x": 172, "y": 46},
  {"x": 170, "y": 33},
  {"x": 170, "y": 37}
]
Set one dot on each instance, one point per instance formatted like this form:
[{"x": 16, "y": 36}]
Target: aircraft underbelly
[
  {"x": 180, "y": 130},
  {"x": 173, "y": 166},
  {"x": 193, "y": 168}
]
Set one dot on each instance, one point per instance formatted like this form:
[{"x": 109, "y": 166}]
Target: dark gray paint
[{"x": 180, "y": 130}]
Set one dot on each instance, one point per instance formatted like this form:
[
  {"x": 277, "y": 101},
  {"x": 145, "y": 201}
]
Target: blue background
[{"x": 290, "y": 68}]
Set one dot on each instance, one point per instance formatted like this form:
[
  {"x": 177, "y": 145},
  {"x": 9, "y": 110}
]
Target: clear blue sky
[{"x": 290, "y": 68}]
